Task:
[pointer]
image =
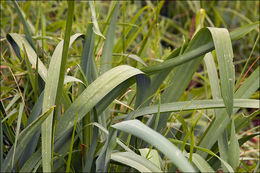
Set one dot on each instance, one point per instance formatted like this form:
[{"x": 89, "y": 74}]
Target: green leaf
[
  {"x": 194, "y": 104},
  {"x": 132, "y": 56},
  {"x": 135, "y": 127},
  {"x": 94, "y": 19},
  {"x": 17, "y": 130},
  {"x": 23, "y": 139},
  {"x": 201, "y": 163},
  {"x": 219, "y": 124},
  {"x": 135, "y": 161},
  {"x": 233, "y": 148},
  {"x": 224, "y": 51},
  {"x": 94, "y": 93},
  {"x": 25, "y": 25},
  {"x": 152, "y": 155},
  {"x": 106, "y": 58},
  {"x": 53, "y": 89},
  {"x": 105, "y": 154},
  {"x": 18, "y": 42}
]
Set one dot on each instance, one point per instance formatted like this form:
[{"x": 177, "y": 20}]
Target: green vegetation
[{"x": 148, "y": 86}]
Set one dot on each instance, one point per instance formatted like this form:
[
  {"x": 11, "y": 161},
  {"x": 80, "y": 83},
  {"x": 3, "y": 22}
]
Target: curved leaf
[
  {"x": 93, "y": 94},
  {"x": 135, "y": 161},
  {"x": 142, "y": 131}
]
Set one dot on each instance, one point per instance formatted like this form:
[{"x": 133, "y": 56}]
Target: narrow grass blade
[
  {"x": 229, "y": 168},
  {"x": 233, "y": 148},
  {"x": 17, "y": 130},
  {"x": 142, "y": 83},
  {"x": 30, "y": 148},
  {"x": 105, "y": 154},
  {"x": 87, "y": 61},
  {"x": 224, "y": 51},
  {"x": 217, "y": 127},
  {"x": 194, "y": 104},
  {"x": 71, "y": 145},
  {"x": 201, "y": 49},
  {"x": 94, "y": 19},
  {"x": 23, "y": 139},
  {"x": 106, "y": 58},
  {"x": 135, "y": 161},
  {"x": 135, "y": 127},
  {"x": 92, "y": 149},
  {"x": 31, "y": 162},
  {"x": 132, "y": 56},
  {"x": 96, "y": 91},
  {"x": 213, "y": 76},
  {"x": 216, "y": 94},
  {"x": 54, "y": 88},
  {"x": 17, "y": 41},
  {"x": 25, "y": 25}
]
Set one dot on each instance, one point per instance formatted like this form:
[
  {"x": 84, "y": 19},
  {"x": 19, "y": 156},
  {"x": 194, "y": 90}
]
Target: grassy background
[{"x": 140, "y": 34}]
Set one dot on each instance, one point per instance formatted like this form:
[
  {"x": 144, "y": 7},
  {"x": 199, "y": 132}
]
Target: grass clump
[{"x": 123, "y": 86}]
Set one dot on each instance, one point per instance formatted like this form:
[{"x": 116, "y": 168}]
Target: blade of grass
[
  {"x": 53, "y": 90},
  {"x": 200, "y": 50},
  {"x": 194, "y": 104},
  {"x": 106, "y": 57},
  {"x": 135, "y": 127},
  {"x": 17, "y": 41},
  {"x": 96, "y": 91},
  {"x": 28, "y": 34},
  {"x": 21, "y": 107},
  {"x": 135, "y": 161},
  {"x": 229, "y": 168},
  {"x": 30, "y": 148},
  {"x": 23, "y": 139},
  {"x": 224, "y": 51},
  {"x": 216, "y": 94},
  {"x": 71, "y": 145},
  {"x": 94, "y": 20},
  {"x": 217, "y": 127},
  {"x": 233, "y": 148},
  {"x": 105, "y": 154}
]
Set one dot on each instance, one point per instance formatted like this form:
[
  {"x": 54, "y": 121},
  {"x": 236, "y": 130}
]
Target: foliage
[{"x": 159, "y": 86}]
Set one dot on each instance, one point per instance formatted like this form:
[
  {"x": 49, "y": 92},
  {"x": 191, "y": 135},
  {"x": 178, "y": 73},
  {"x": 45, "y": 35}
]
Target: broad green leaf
[
  {"x": 233, "y": 148},
  {"x": 135, "y": 161},
  {"x": 136, "y": 128},
  {"x": 23, "y": 139},
  {"x": 106, "y": 57},
  {"x": 224, "y": 51},
  {"x": 94, "y": 93}
]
